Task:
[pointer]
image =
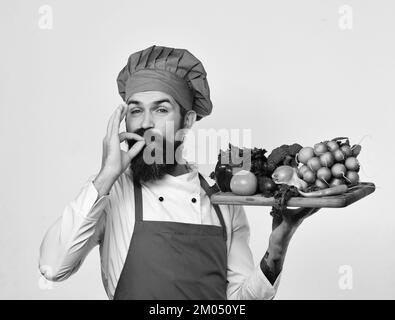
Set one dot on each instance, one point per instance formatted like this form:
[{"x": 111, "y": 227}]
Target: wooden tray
[{"x": 340, "y": 201}]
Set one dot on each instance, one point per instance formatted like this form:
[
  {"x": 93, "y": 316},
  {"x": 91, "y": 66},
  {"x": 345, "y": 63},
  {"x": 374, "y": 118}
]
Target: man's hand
[
  {"x": 114, "y": 160},
  {"x": 292, "y": 217},
  {"x": 283, "y": 227}
]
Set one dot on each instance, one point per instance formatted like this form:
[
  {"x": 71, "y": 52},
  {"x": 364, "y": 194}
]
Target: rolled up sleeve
[{"x": 245, "y": 280}]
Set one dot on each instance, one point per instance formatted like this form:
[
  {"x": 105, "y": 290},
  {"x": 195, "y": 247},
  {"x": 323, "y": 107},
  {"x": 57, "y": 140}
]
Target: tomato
[{"x": 244, "y": 183}]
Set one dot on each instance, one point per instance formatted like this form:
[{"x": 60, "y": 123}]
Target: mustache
[
  {"x": 141, "y": 132},
  {"x": 151, "y": 135}
]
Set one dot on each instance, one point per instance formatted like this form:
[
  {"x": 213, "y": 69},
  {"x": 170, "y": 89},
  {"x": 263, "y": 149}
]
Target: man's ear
[{"x": 189, "y": 119}]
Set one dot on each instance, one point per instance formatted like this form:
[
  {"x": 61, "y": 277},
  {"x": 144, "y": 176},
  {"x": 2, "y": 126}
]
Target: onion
[
  {"x": 288, "y": 175},
  {"x": 283, "y": 174}
]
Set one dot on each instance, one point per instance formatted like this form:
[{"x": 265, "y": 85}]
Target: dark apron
[{"x": 174, "y": 260}]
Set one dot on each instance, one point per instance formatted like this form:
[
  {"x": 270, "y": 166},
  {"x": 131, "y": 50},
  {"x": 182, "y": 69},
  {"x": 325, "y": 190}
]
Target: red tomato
[{"x": 244, "y": 183}]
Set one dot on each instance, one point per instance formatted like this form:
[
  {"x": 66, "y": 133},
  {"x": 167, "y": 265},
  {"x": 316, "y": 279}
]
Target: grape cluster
[{"x": 329, "y": 163}]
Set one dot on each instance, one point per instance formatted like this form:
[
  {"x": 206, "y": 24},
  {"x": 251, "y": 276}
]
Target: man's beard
[{"x": 143, "y": 171}]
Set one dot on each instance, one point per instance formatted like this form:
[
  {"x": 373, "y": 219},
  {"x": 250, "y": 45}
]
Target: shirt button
[
  {"x": 160, "y": 198},
  {"x": 193, "y": 200}
]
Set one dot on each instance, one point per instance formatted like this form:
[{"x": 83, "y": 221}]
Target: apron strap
[
  {"x": 138, "y": 201},
  {"x": 209, "y": 190}
]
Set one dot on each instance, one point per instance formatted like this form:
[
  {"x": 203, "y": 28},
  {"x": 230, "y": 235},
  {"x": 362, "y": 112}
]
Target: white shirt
[{"x": 109, "y": 221}]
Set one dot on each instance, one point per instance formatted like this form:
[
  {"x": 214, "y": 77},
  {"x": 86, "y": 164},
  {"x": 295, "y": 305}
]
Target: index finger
[
  {"x": 118, "y": 115},
  {"x": 111, "y": 121}
]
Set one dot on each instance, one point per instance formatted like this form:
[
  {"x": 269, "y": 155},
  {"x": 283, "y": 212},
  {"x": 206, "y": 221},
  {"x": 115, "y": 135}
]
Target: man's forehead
[{"x": 148, "y": 97}]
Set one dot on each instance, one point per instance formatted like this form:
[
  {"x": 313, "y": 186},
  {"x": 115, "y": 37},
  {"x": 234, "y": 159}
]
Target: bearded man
[{"x": 159, "y": 235}]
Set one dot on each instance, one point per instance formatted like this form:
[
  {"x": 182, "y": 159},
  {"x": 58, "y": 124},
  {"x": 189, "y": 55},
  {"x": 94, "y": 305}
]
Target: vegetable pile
[
  {"x": 233, "y": 160},
  {"x": 231, "y": 177},
  {"x": 327, "y": 165},
  {"x": 328, "y": 168}
]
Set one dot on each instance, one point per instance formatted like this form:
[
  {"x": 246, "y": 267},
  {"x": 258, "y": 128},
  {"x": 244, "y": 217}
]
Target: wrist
[
  {"x": 107, "y": 175},
  {"x": 103, "y": 183},
  {"x": 281, "y": 236}
]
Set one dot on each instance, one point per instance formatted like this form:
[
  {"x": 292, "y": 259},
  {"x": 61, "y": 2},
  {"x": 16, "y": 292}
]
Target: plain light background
[{"x": 284, "y": 69}]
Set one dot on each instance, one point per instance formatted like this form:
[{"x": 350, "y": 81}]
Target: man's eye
[
  {"x": 135, "y": 111},
  {"x": 162, "y": 110}
]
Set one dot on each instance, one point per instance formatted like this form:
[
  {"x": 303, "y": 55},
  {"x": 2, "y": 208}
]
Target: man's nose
[{"x": 147, "y": 121}]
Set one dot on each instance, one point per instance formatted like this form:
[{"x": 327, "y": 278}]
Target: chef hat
[{"x": 174, "y": 71}]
